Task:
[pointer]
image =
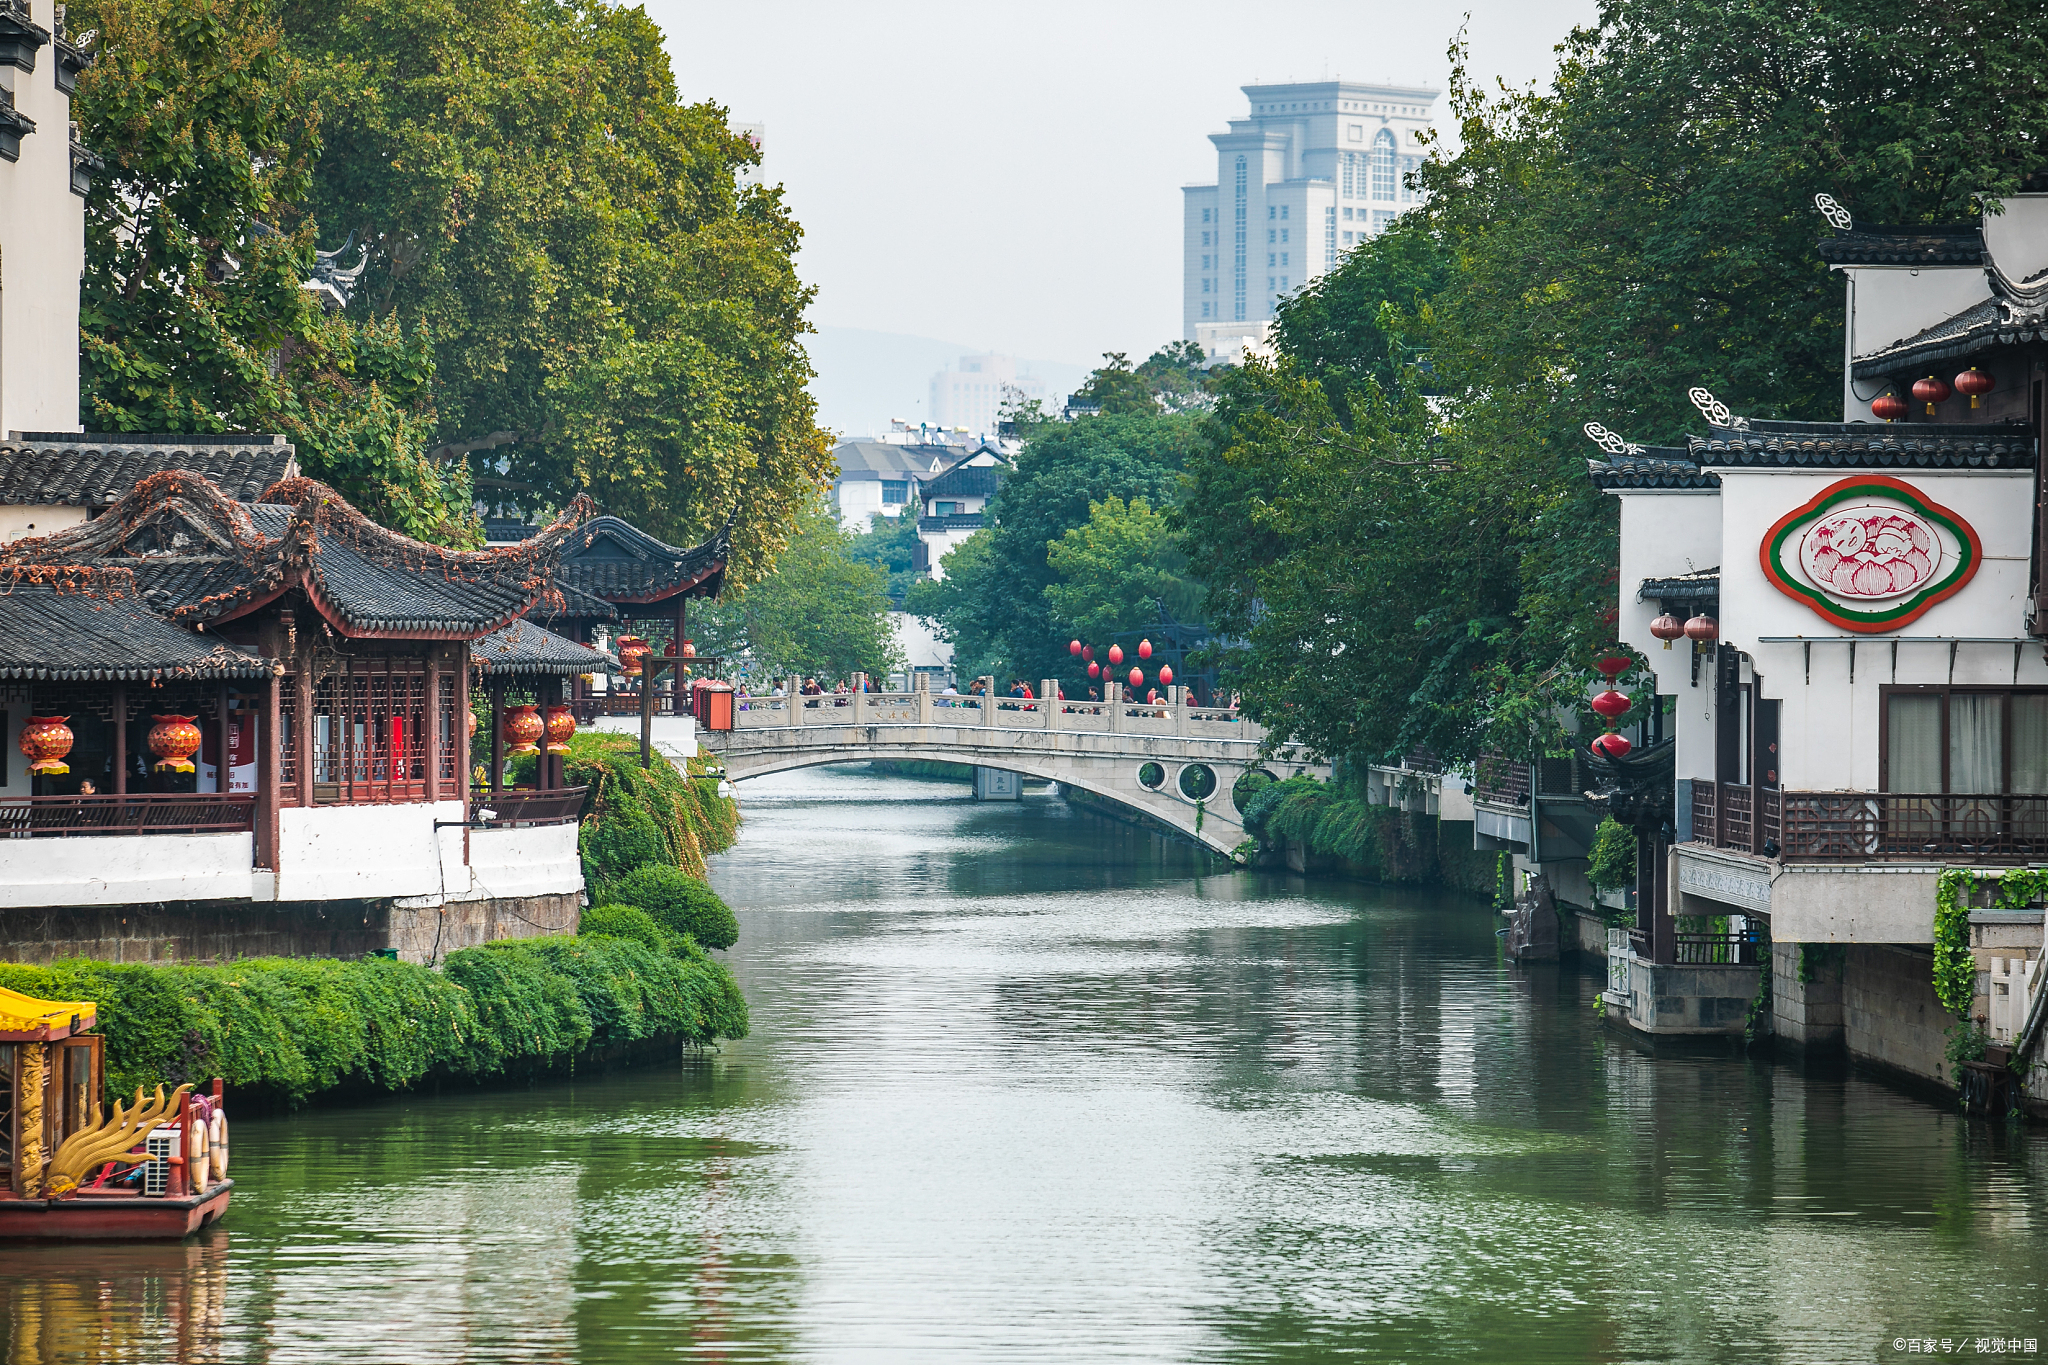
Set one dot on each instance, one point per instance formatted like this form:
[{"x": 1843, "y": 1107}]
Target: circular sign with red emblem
[{"x": 1870, "y": 553}]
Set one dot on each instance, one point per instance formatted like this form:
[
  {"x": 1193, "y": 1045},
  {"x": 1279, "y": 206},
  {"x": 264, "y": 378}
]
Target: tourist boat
[{"x": 154, "y": 1167}]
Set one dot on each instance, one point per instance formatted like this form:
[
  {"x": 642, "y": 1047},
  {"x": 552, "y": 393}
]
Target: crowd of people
[{"x": 1019, "y": 693}]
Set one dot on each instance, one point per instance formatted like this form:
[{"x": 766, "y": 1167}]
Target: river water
[{"x": 1027, "y": 1085}]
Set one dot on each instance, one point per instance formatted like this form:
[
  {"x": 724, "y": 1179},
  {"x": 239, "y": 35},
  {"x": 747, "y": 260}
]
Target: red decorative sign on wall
[{"x": 1870, "y": 553}]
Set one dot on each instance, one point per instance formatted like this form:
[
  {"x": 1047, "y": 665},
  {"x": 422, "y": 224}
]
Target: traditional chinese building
[{"x": 1845, "y": 623}]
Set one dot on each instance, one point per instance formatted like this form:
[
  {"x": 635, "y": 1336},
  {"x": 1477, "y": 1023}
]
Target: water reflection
[{"x": 1031, "y": 1086}]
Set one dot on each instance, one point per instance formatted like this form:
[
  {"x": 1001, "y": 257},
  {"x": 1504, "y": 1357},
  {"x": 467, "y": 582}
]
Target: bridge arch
[{"x": 1112, "y": 777}]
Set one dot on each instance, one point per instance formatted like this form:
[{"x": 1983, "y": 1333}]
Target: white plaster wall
[
  {"x": 123, "y": 869},
  {"x": 538, "y": 861},
  {"x": 919, "y": 646},
  {"x": 1829, "y": 728},
  {"x": 16, "y": 522},
  {"x": 1893, "y": 302},
  {"x": 674, "y": 737},
  {"x": 349, "y": 852},
  {"x": 1663, "y": 535},
  {"x": 42, "y": 254},
  {"x": 2018, "y": 237}
]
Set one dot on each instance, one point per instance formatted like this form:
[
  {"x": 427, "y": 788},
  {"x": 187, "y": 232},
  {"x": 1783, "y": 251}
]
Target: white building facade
[
  {"x": 969, "y": 398},
  {"x": 1316, "y": 169}
]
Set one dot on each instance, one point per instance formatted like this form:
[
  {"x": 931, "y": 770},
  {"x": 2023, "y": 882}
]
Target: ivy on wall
[{"x": 1955, "y": 969}]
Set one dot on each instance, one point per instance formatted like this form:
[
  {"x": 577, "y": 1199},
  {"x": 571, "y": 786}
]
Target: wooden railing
[
  {"x": 1500, "y": 782},
  {"x": 589, "y": 708},
  {"x": 39, "y": 817},
  {"x": 1724, "y": 815},
  {"x": 1850, "y": 827},
  {"x": 522, "y": 806}
]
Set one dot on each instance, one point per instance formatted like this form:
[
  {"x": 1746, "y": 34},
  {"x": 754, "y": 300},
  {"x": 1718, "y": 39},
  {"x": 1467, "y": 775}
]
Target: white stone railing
[{"x": 1171, "y": 715}]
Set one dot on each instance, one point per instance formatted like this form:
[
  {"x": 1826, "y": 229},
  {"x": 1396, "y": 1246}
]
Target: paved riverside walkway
[{"x": 1176, "y": 763}]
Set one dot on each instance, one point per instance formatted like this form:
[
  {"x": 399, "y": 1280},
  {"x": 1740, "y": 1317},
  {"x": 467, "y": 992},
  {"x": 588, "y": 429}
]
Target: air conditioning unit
[{"x": 162, "y": 1144}]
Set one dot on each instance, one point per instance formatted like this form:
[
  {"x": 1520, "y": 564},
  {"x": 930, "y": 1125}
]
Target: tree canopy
[
  {"x": 821, "y": 614},
  {"x": 1396, "y": 509},
  {"x": 563, "y": 268}
]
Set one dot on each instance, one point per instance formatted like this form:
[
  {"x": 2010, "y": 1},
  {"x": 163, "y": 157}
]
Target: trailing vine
[{"x": 1955, "y": 970}]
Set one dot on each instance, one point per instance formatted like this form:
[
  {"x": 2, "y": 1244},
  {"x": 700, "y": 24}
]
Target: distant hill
[{"x": 866, "y": 378}]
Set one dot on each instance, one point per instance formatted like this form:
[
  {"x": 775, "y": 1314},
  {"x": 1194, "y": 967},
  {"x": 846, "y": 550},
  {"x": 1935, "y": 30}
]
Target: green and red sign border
[{"x": 1970, "y": 554}]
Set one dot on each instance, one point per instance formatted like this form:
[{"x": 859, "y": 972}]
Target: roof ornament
[
  {"x": 333, "y": 282},
  {"x": 1831, "y": 209},
  {"x": 1715, "y": 411},
  {"x": 1610, "y": 442}
]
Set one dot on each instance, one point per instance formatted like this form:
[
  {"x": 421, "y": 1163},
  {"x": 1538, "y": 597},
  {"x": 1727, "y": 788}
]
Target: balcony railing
[
  {"x": 1500, "y": 782},
  {"x": 1854, "y": 827},
  {"x": 1724, "y": 815},
  {"x": 39, "y": 817},
  {"x": 506, "y": 809}
]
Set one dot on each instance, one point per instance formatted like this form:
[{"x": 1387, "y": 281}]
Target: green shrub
[
  {"x": 298, "y": 1026},
  {"x": 627, "y": 921},
  {"x": 678, "y": 903},
  {"x": 1612, "y": 866},
  {"x": 637, "y": 815}
]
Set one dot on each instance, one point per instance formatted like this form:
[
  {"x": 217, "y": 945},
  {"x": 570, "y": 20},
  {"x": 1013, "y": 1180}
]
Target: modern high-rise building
[
  {"x": 1316, "y": 169},
  {"x": 971, "y": 397}
]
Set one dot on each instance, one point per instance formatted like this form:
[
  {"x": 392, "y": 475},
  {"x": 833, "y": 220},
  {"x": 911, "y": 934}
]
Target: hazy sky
[{"x": 1009, "y": 177}]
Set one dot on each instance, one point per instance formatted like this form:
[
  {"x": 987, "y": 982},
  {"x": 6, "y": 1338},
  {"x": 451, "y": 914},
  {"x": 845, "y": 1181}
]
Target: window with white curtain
[{"x": 1966, "y": 740}]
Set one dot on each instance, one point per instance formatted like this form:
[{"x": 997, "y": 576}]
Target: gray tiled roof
[
  {"x": 523, "y": 647},
  {"x": 1701, "y": 586},
  {"x": 859, "y": 460},
  {"x": 1867, "y": 445},
  {"x": 1650, "y": 467},
  {"x": 43, "y": 469},
  {"x": 1941, "y": 244},
  {"x": 2016, "y": 313},
  {"x": 617, "y": 561},
  {"x": 198, "y": 556},
  {"x": 61, "y": 623}
]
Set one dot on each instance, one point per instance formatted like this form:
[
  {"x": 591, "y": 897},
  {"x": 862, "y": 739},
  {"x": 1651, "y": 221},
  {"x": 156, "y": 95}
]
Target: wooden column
[
  {"x": 676, "y": 704},
  {"x": 497, "y": 736},
  {"x": 304, "y": 721},
  {"x": 120, "y": 739},
  {"x": 270, "y": 772},
  {"x": 221, "y": 781},
  {"x": 647, "y": 673},
  {"x": 460, "y": 739},
  {"x": 430, "y": 747},
  {"x": 547, "y": 771}
]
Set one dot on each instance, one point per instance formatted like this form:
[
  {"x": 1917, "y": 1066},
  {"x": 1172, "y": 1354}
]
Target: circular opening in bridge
[
  {"x": 1249, "y": 784},
  {"x": 1151, "y": 777},
  {"x": 1198, "y": 782}
]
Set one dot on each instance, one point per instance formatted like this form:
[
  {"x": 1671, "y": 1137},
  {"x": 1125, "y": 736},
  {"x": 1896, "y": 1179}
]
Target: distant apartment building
[
  {"x": 970, "y": 397},
  {"x": 1318, "y": 168}
]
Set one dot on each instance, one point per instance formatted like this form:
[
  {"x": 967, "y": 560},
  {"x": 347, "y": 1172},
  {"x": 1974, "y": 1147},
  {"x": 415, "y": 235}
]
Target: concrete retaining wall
[
  {"x": 1889, "y": 1012},
  {"x": 218, "y": 931},
  {"x": 1807, "y": 1015}
]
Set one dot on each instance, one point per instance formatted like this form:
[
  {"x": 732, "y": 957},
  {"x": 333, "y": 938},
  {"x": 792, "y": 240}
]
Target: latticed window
[
  {"x": 450, "y": 751},
  {"x": 369, "y": 732},
  {"x": 1383, "y": 163},
  {"x": 288, "y": 741}
]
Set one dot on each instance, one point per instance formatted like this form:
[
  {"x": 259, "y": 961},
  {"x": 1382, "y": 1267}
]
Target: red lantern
[
  {"x": 1166, "y": 675},
  {"x": 1667, "y": 628},
  {"x": 523, "y": 729},
  {"x": 1975, "y": 383},
  {"x": 1702, "y": 629},
  {"x": 1088, "y": 651},
  {"x": 1116, "y": 654},
  {"x": 174, "y": 739},
  {"x": 472, "y": 725},
  {"x": 561, "y": 724},
  {"x": 632, "y": 650},
  {"x": 1611, "y": 745},
  {"x": 1073, "y": 647},
  {"x": 1094, "y": 669},
  {"x": 1144, "y": 649},
  {"x": 1889, "y": 406},
  {"x": 1930, "y": 391},
  {"x": 689, "y": 649},
  {"x": 1611, "y": 704},
  {"x": 1137, "y": 677},
  {"x": 44, "y": 742},
  {"x": 1613, "y": 666}
]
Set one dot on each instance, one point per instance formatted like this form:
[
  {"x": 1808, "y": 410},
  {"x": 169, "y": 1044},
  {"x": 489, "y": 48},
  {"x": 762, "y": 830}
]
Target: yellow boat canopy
[{"x": 25, "y": 1019}]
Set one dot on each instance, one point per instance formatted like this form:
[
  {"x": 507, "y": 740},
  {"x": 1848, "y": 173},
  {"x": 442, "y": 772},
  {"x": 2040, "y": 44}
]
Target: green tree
[
  {"x": 821, "y": 613},
  {"x": 612, "y": 310},
  {"x": 890, "y": 544},
  {"x": 1171, "y": 379},
  {"x": 1590, "y": 252},
  {"x": 993, "y": 605},
  {"x": 1115, "y": 571}
]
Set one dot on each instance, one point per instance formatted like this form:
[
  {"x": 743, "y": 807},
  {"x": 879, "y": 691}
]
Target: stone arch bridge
[{"x": 1174, "y": 762}]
